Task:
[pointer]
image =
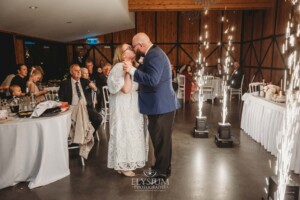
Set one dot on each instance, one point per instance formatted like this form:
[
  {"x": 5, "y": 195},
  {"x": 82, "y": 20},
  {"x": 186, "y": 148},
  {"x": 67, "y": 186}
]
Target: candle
[{"x": 281, "y": 84}]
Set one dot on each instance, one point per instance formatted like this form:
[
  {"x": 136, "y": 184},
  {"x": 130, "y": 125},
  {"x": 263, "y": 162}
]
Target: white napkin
[{"x": 42, "y": 107}]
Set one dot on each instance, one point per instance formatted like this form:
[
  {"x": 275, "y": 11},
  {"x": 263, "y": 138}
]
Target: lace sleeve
[{"x": 115, "y": 80}]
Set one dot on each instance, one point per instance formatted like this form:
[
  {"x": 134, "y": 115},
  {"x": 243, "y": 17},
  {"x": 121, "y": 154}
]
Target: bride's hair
[{"x": 118, "y": 54}]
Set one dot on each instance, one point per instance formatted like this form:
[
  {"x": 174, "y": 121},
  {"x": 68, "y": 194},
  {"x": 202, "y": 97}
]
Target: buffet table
[
  {"x": 261, "y": 120},
  {"x": 34, "y": 150}
]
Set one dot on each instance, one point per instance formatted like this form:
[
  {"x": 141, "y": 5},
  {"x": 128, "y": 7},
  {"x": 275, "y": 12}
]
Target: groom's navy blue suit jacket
[{"x": 156, "y": 94}]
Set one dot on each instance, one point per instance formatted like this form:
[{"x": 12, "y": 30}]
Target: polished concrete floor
[{"x": 200, "y": 170}]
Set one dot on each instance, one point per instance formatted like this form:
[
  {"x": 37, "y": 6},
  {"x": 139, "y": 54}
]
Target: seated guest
[
  {"x": 90, "y": 66},
  {"x": 218, "y": 71},
  {"x": 74, "y": 88},
  {"x": 36, "y": 75},
  {"x": 106, "y": 69},
  {"x": 99, "y": 70},
  {"x": 15, "y": 91},
  {"x": 236, "y": 76},
  {"x": 37, "y": 67},
  {"x": 21, "y": 78},
  {"x": 101, "y": 80},
  {"x": 85, "y": 73}
]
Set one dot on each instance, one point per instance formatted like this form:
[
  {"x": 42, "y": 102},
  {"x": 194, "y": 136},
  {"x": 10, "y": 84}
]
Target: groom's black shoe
[{"x": 152, "y": 171}]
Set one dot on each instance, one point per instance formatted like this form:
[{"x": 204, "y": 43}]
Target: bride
[{"x": 127, "y": 143}]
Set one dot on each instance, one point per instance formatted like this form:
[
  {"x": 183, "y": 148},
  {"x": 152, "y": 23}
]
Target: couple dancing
[{"x": 137, "y": 92}]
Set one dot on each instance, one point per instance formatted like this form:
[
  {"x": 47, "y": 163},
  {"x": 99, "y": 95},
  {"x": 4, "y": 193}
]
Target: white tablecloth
[
  {"x": 262, "y": 120},
  {"x": 34, "y": 150},
  {"x": 217, "y": 92}
]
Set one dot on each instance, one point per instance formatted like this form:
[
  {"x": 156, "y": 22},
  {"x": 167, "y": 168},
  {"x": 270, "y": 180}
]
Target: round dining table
[{"x": 34, "y": 150}]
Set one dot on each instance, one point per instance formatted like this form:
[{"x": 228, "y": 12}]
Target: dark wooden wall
[
  {"x": 257, "y": 40},
  {"x": 173, "y": 32},
  {"x": 263, "y": 36},
  {"x": 258, "y": 37},
  {"x": 52, "y": 56},
  {"x": 7, "y": 55}
]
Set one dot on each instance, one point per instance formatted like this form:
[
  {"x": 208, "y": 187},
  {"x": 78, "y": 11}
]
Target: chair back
[
  {"x": 181, "y": 81},
  {"x": 181, "y": 86},
  {"x": 105, "y": 110},
  {"x": 242, "y": 82},
  {"x": 253, "y": 87},
  {"x": 106, "y": 94},
  {"x": 208, "y": 81}
]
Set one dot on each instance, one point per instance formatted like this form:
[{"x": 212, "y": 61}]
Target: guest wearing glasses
[
  {"x": 127, "y": 145},
  {"x": 74, "y": 88}
]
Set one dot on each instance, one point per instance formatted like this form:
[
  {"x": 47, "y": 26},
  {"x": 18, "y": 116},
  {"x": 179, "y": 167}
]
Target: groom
[{"x": 157, "y": 99}]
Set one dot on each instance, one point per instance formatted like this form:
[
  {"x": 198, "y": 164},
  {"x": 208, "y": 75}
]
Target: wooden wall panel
[
  {"x": 70, "y": 54},
  {"x": 166, "y": 30},
  {"x": 212, "y": 60},
  {"x": 170, "y": 51},
  {"x": 146, "y": 23},
  {"x": 269, "y": 22},
  {"x": 179, "y": 37},
  {"x": 189, "y": 30},
  {"x": 213, "y": 22},
  {"x": 99, "y": 57},
  {"x": 266, "y": 52},
  {"x": 256, "y": 51},
  {"x": 276, "y": 77},
  {"x": 123, "y": 36},
  {"x": 192, "y": 51},
  {"x": 234, "y": 20},
  {"x": 282, "y": 16},
  {"x": 171, "y": 5},
  {"x": 248, "y": 16},
  {"x": 257, "y": 27},
  {"x": 19, "y": 50},
  {"x": 277, "y": 59}
]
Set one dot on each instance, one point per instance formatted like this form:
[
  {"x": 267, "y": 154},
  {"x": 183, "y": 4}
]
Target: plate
[{"x": 24, "y": 114}]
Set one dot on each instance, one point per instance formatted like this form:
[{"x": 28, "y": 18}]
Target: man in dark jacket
[
  {"x": 236, "y": 76},
  {"x": 74, "y": 88}
]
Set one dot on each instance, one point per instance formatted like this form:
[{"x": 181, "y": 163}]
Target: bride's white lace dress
[{"x": 127, "y": 143}]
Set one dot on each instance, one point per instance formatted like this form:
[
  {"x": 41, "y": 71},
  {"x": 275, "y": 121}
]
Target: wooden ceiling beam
[{"x": 187, "y": 5}]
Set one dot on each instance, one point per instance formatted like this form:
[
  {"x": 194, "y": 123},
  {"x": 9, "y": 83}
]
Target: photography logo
[{"x": 151, "y": 182}]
